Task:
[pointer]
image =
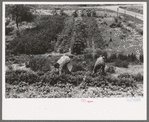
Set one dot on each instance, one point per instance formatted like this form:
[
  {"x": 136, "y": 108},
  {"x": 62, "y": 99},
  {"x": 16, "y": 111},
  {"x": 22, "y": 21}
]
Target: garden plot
[{"x": 41, "y": 80}]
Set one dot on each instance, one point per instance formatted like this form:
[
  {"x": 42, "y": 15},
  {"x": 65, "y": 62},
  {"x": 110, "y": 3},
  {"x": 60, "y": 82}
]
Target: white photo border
[{"x": 73, "y": 108}]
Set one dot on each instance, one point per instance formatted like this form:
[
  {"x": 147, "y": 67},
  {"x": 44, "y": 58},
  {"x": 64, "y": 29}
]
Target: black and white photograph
[{"x": 80, "y": 50}]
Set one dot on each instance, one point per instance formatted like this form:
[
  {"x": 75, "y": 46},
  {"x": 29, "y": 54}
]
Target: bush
[
  {"x": 110, "y": 69},
  {"x": 125, "y": 30},
  {"x": 7, "y": 22},
  {"x": 88, "y": 53},
  {"x": 53, "y": 78},
  {"x": 79, "y": 58},
  {"x": 121, "y": 63},
  {"x": 15, "y": 77},
  {"x": 18, "y": 33},
  {"x": 122, "y": 57},
  {"x": 121, "y": 81},
  {"x": 126, "y": 82},
  {"x": 132, "y": 58},
  {"x": 112, "y": 80},
  {"x": 113, "y": 25},
  {"x": 116, "y": 24},
  {"x": 75, "y": 14},
  {"x": 61, "y": 50},
  {"x": 125, "y": 75},
  {"x": 131, "y": 25},
  {"x": 112, "y": 58},
  {"x": 40, "y": 63},
  {"x": 137, "y": 77},
  {"x": 119, "y": 24},
  {"x": 123, "y": 36},
  {"x": 77, "y": 67},
  {"x": 38, "y": 40},
  {"x": 8, "y": 30},
  {"x": 94, "y": 14},
  {"x": 140, "y": 31}
]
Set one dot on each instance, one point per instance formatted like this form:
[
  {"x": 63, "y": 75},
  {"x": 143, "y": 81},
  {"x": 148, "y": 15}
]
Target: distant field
[{"x": 137, "y": 9}]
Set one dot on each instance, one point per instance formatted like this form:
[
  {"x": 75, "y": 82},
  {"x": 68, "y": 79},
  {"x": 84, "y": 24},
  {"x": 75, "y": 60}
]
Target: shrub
[
  {"x": 40, "y": 73},
  {"x": 77, "y": 67},
  {"x": 94, "y": 14},
  {"x": 140, "y": 31},
  {"x": 88, "y": 12},
  {"x": 122, "y": 36},
  {"x": 141, "y": 58},
  {"x": 78, "y": 73},
  {"x": 79, "y": 58},
  {"x": 137, "y": 77},
  {"x": 120, "y": 63},
  {"x": 122, "y": 57},
  {"x": 40, "y": 63},
  {"x": 119, "y": 24},
  {"x": 131, "y": 25},
  {"x": 125, "y": 30},
  {"x": 15, "y": 77},
  {"x": 121, "y": 81},
  {"x": 113, "y": 25},
  {"x": 75, "y": 14},
  {"x": 126, "y": 82},
  {"x": 52, "y": 78},
  {"x": 112, "y": 80},
  {"x": 18, "y": 33},
  {"x": 63, "y": 13},
  {"x": 88, "y": 53},
  {"x": 61, "y": 50},
  {"x": 112, "y": 58},
  {"x": 110, "y": 69},
  {"x": 132, "y": 57},
  {"x": 125, "y": 75},
  {"x": 8, "y": 30},
  {"x": 38, "y": 40},
  {"x": 90, "y": 65},
  {"x": 7, "y": 22}
]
